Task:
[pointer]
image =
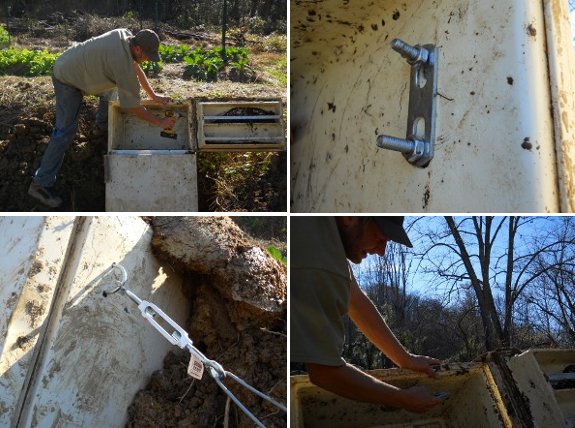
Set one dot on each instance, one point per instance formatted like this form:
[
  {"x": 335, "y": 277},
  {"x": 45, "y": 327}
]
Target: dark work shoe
[{"x": 44, "y": 195}]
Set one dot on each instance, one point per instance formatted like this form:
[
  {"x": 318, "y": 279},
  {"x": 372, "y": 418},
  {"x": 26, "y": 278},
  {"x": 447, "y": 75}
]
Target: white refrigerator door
[{"x": 503, "y": 140}]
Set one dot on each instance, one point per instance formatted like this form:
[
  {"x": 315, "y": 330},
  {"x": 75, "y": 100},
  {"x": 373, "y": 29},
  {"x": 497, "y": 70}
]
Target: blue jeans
[
  {"x": 102, "y": 112},
  {"x": 68, "y": 103}
]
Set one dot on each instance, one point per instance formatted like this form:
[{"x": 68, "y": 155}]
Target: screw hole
[
  {"x": 419, "y": 128},
  {"x": 420, "y": 77}
]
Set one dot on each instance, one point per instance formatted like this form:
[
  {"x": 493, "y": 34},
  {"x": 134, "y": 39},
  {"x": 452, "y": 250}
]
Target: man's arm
[
  {"x": 368, "y": 319},
  {"x": 146, "y": 85},
  {"x": 354, "y": 384}
]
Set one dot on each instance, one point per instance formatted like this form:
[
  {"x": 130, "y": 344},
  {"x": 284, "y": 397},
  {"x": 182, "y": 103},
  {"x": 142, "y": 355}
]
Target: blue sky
[{"x": 426, "y": 285}]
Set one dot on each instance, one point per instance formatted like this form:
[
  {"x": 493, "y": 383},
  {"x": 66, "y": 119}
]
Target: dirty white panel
[
  {"x": 240, "y": 125},
  {"x": 28, "y": 274},
  {"x": 549, "y": 406},
  {"x": 561, "y": 67},
  {"x": 151, "y": 183},
  {"x": 101, "y": 355},
  {"x": 20, "y": 237},
  {"x": 494, "y": 134},
  {"x": 128, "y": 132}
]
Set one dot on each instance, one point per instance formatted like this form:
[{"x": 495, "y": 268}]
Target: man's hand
[
  {"x": 423, "y": 364},
  {"x": 162, "y": 100},
  {"x": 167, "y": 122},
  {"x": 352, "y": 383},
  {"x": 418, "y": 399}
]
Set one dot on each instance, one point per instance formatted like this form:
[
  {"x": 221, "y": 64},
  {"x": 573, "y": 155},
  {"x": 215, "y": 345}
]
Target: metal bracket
[{"x": 417, "y": 147}]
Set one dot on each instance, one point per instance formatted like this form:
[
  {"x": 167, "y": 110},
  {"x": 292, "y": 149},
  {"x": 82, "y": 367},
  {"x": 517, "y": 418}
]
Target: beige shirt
[
  {"x": 100, "y": 64},
  {"x": 320, "y": 281}
]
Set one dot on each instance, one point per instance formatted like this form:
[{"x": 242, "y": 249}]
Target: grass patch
[
  {"x": 279, "y": 71},
  {"x": 274, "y": 65}
]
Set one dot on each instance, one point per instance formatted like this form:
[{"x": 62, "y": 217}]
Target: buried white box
[
  {"x": 148, "y": 172},
  {"x": 470, "y": 399},
  {"x": 240, "y": 125},
  {"x": 535, "y": 388}
]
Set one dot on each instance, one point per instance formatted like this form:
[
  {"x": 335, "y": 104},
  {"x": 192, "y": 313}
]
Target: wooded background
[
  {"x": 483, "y": 283},
  {"x": 259, "y": 16}
]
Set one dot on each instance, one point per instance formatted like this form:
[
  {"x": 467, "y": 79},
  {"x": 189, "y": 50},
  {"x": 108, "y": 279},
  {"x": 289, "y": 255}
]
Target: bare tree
[
  {"x": 498, "y": 258},
  {"x": 502, "y": 281},
  {"x": 552, "y": 299}
]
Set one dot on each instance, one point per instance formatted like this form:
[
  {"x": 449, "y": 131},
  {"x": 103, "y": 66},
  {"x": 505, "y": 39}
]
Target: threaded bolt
[
  {"x": 397, "y": 144},
  {"x": 413, "y": 54}
]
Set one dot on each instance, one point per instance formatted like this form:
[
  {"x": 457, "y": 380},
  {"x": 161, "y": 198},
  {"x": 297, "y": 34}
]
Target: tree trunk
[{"x": 484, "y": 297}]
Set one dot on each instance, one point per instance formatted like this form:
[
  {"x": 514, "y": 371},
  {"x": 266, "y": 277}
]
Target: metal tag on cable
[{"x": 195, "y": 368}]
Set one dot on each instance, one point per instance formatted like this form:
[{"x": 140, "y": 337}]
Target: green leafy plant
[
  {"x": 276, "y": 254},
  {"x": 25, "y": 62},
  {"x": 202, "y": 65},
  {"x": 205, "y": 65},
  {"x": 152, "y": 68},
  {"x": 173, "y": 53}
]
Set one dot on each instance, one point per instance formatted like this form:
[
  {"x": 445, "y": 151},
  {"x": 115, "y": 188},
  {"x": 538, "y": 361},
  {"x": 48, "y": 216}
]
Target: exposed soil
[
  {"x": 238, "y": 318},
  {"x": 27, "y": 114},
  {"x": 24, "y": 135}
]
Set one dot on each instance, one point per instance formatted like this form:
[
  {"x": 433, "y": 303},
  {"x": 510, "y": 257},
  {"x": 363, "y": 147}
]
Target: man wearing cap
[
  {"x": 323, "y": 289},
  {"x": 97, "y": 66}
]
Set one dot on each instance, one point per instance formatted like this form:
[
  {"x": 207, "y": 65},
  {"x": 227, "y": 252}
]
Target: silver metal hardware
[
  {"x": 413, "y": 54},
  {"x": 417, "y": 147},
  {"x": 177, "y": 336}
]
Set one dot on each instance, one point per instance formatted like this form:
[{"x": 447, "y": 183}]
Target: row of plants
[
  {"x": 25, "y": 62},
  {"x": 201, "y": 64}
]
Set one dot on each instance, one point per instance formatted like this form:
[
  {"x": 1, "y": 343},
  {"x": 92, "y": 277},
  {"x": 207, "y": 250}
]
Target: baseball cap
[
  {"x": 149, "y": 41},
  {"x": 393, "y": 228}
]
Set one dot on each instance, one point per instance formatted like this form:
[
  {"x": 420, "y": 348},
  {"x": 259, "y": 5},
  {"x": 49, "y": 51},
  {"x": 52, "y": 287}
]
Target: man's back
[{"x": 100, "y": 64}]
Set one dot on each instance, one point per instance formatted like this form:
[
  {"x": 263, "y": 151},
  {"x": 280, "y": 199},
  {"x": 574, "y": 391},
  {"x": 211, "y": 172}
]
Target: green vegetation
[
  {"x": 276, "y": 254},
  {"x": 201, "y": 64},
  {"x": 152, "y": 68},
  {"x": 174, "y": 53},
  {"x": 24, "y": 62},
  {"x": 4, "y": 37},
  {"x": 279, "y": 71},
  {"x": 205, "y": 64}
]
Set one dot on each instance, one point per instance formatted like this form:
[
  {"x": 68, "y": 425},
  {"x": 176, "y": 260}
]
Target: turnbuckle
[{"x": 179, "y": 337}]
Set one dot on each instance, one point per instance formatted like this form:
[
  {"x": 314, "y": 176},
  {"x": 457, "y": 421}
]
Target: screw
[
  {"x": 413, "y": 54},
  {"x": 412, "y": 147},
  {"x": 397, "y": 144}
]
